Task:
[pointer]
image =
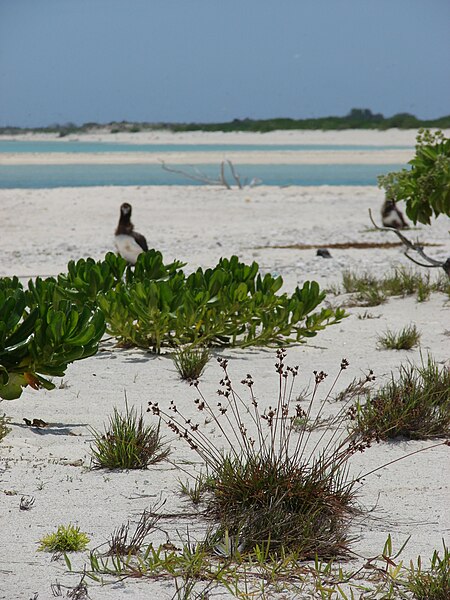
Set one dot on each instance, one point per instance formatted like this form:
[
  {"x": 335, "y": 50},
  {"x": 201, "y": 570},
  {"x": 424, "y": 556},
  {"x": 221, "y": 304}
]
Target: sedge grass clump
[
  {"x": 128, "y": 443},
  {"x": 274, "y": 486},
  {"x": 4, "y": 429},
  {"x": 67, "y": 538},
  {"x": 414, "y": 405},
  {"x": 369, "y": 290},
  {"x": 432, "y": 584},
  {"x": 406, "y": 339},
  {"x": 190, "y": 361}
]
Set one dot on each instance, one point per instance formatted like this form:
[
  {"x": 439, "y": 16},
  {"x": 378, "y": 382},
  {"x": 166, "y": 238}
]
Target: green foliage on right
[{"x": 426, "y": 186}]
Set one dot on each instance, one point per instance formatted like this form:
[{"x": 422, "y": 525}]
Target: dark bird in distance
[
  {"x": 129, "y": 243},
  {"x": 323, "y": 252},
  {"x": 392, "y": 216}
]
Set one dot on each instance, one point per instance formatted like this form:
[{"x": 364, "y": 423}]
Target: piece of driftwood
[
  {"x": 197, "y": 175},
  {"x": 415, "y": 247}
]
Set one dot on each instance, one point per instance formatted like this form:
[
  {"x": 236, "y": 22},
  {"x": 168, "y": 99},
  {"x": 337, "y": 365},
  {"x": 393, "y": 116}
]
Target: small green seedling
[{"x": 68, "y": 538}]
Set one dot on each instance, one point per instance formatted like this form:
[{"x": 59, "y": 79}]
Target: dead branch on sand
[{"x": 415, "y": 247}]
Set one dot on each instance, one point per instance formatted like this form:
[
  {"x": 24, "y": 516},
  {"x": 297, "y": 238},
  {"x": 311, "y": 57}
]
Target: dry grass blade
[{"x": 121, "y": 543}]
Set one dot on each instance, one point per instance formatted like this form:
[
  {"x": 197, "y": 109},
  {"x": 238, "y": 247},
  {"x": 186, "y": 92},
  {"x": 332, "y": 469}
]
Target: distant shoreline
[
  {"x": 392, "y": 137},
  {"x": 362, "y": 119},
  {"x": 404, "y": 139}
]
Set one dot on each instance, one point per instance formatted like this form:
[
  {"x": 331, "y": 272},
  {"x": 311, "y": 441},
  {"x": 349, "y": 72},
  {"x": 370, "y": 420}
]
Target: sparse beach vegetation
[
  {"x": 268, "y": 488},
  {"x": 405, "y": 339},
  {"x": 190, "y": 362},
  {"x": 232, "y": 544},
  {"x": 432, "y": 583},
  {"x": 415, "y": 405},
  {"x": 370, "y": 290},
  {"x": 196, "y": 572},
  {"x": 128, "y": 443},
  {"x": 124, "y": 543},
  {"x": 4, "y": 429}
]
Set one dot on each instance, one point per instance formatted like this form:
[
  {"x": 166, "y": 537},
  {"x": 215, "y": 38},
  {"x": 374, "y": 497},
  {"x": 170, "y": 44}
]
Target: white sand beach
[{"x": 41, "y": 230}]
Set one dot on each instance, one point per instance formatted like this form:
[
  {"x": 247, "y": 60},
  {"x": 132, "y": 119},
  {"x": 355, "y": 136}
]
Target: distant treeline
[{"x": 357, "y": 118}]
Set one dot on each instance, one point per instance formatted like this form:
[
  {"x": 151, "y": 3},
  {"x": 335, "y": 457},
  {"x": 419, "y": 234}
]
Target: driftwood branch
[
  {"x": 197, "y": 175},
  {"x": 222, "y": 176},
  {"x": 235, "y": 175},
  {"x": 415, "y": 247}
]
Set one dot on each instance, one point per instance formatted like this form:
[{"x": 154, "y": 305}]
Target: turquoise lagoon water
[
  {"x": 82, "y": 175},
  {"x": 54, "y": 176},
  {"x": 95, "y": 147}
]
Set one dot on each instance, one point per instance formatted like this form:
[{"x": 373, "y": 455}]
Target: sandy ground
[{"x": 40, "y": 230}]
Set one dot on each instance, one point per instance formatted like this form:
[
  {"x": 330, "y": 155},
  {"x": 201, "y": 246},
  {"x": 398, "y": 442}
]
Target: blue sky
[{"x": 216, "y": 60}]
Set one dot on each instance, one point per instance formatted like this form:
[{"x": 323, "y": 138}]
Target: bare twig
[
  {"x": 410, "y": 246},
  {"x": 236, "y": 177},
  {"x": 120, "y": 543},
  {"x": 197, "y": 175}
]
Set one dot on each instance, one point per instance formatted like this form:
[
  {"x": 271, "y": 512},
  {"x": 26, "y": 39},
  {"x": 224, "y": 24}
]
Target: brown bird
[
  {"x": 128, "y": 242},
  {"x": 392, "y": 216}
]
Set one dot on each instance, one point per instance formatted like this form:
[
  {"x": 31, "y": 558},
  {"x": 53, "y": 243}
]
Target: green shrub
[
  {"x": 128, "y": 443},
  {"x": 68, "y": 538},
  {"x": 425, "y": 187},
  {"x": 415, "y": 405},
  {"x": 40, "y": 335},
  {"x": 229, "y": 305}
]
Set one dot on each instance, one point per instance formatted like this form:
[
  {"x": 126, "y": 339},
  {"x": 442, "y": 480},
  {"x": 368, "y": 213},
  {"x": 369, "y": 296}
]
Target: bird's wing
[{"x": 140, "y": 239}]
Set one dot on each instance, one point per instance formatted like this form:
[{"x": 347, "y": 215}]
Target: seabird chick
[
  {"x": 392, "y": 216},
  {"x": 128, "y": 242}
]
